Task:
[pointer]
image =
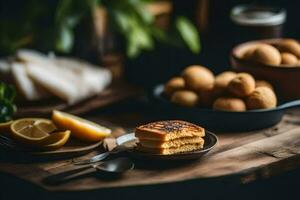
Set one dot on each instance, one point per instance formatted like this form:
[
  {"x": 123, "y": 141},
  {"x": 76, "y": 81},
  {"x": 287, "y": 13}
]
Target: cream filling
[{"x": 172, "y": 143}]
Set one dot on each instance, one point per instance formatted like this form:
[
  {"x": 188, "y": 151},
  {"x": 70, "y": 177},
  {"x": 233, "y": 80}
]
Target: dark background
[
  {"x": 165, "y": 61},
  {"x": 217, "y": 41}
]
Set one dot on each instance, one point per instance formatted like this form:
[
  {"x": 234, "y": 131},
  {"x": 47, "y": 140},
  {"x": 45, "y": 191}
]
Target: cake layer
[
  {"x": 168, "y": 151},
  {"x": 168, "y": 130},
  {"x": 172, "y": 143}
]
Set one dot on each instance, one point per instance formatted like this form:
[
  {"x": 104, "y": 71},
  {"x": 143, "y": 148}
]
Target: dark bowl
[
  {"x": 286, "y": 80},
  {"x": 222, "y": 121}
]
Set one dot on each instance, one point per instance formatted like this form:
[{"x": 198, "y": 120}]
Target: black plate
[
  {"x": 210, "y": 141},
  {"x": 220, "y": 120},
  {"x": 72, "y": 148}
]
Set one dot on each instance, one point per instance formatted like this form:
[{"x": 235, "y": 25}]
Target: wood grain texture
[
  {"x": 114, "y": 93},
  {"x": 248, "y": 156}
]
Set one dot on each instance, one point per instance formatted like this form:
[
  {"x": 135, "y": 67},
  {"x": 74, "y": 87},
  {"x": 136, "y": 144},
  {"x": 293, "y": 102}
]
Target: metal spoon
[
  {"x": 118, "y": 165},
  {"x": 124, "y": 143}
]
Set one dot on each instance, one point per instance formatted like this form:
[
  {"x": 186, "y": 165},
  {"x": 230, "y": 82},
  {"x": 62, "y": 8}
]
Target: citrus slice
[
  {"x": 35, "y": 132},
  {"x": 5, "y": 127},
  {"x": 46, "y": 127},
  {"x": 55, "y": 140},
  {"x": 31, "y": 131},
  {"x": 81, "y": 129}
]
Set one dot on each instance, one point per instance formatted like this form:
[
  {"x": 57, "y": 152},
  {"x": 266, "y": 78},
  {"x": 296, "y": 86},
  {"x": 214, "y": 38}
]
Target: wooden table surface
[{"x": 246, "y": 156}]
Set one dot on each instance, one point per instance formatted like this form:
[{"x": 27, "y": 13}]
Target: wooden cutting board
[
  {"x": 116, "y": 92},
  {"x": 246, "y": 156}
]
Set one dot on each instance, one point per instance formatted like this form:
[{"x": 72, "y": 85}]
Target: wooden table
[{"x": 238, "y": 158}]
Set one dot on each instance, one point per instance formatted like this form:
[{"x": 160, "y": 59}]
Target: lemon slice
[
  {"x": 41, "y": 123},
  {"x": 35, "y": 132},
  {"x": 46, "y": 126},
  {"x": 5, "y": 127},
  {"x": 81, "y": 129},
  {"x": 55, "y": 140},
  {"x": 31, "y": 131}
]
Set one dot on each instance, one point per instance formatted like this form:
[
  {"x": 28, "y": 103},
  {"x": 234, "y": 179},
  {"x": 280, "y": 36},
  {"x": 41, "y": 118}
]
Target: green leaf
[
  {"x": 138, "y": 35},
  {"x": 9, "y": 93},
  {"x": 138, "y": 40},
  {"x": 189, "y": 34},
  {"x": 65, "y": 40},
  {"x": 122, "y": 20},
  {"x": 143, "y": 38},
  {"x": 133, "y": 48},
  {"x": 7, "y": 108},
  {"x": 141, "y": 11}
]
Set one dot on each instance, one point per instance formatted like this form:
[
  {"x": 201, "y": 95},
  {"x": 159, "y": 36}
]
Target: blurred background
[
  {"x": 141, "y": 42},
  {"x": 136, "y": 38}
]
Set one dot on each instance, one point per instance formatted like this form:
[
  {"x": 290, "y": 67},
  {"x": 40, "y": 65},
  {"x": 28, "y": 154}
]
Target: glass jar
[{"x": 257, "y": 22}]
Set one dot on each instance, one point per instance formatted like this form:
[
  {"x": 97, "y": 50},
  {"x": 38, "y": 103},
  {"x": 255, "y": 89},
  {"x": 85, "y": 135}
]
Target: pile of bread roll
[
  {"x": 229, "y": 91},
  {"x": 285, "y": 52}
]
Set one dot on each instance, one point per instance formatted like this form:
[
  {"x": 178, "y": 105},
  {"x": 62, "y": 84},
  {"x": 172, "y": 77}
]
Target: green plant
[
  {"x": 7, "y": 107},
  {"x": 68, "y": 15},
  {"x": 130, "y": 18}
]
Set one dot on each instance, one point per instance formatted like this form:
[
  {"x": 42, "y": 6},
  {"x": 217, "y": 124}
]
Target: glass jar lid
[{"x": 249, "y": 15}]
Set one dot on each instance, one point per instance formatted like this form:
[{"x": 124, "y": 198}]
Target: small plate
[
  {"x": 71, "y": 149},
  {"x": 210, "y": 139}
]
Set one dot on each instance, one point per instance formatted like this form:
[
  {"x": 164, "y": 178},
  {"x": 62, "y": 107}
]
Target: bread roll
[
  {"x": 222, "y": 81},
  {"x": 198, "y": 77},
  {"x": 249, "y": 51},
  {"x": 242, "y": 85},
  {"x": 289, "y": 45},
  {"x": 266, "y": 54},
  {"x": 289, "y": 59},
  {"x": 229, "y": 104},
  {"x": 185, "y": 98},
  {"x": 262, "y": 83},
  {"x": 261, "y": 98},
  {"x": 174, "y": 84}
]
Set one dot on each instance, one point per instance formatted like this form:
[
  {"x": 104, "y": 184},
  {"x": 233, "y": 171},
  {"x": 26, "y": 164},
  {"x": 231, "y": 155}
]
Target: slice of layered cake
[{"x": 169, "y": 137}]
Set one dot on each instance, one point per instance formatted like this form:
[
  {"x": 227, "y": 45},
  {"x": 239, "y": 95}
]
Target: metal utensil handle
[
  {"x": 125, "y": 138},
  {"x": 101, "y": 156},
  {"x": 118, "y": 149},
  {"x": 69, "y": 175},
  {"x": 291, "y": 104},
  {"x": 94, "y": 159},
  {"x": 78, "y": 174}
]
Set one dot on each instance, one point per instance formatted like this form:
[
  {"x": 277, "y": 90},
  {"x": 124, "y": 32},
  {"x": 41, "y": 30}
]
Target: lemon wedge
[
  {"x": 55, "y": 140},
  {"x": 5, "y": 127},
  {"x": 81, "y": 129}
]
